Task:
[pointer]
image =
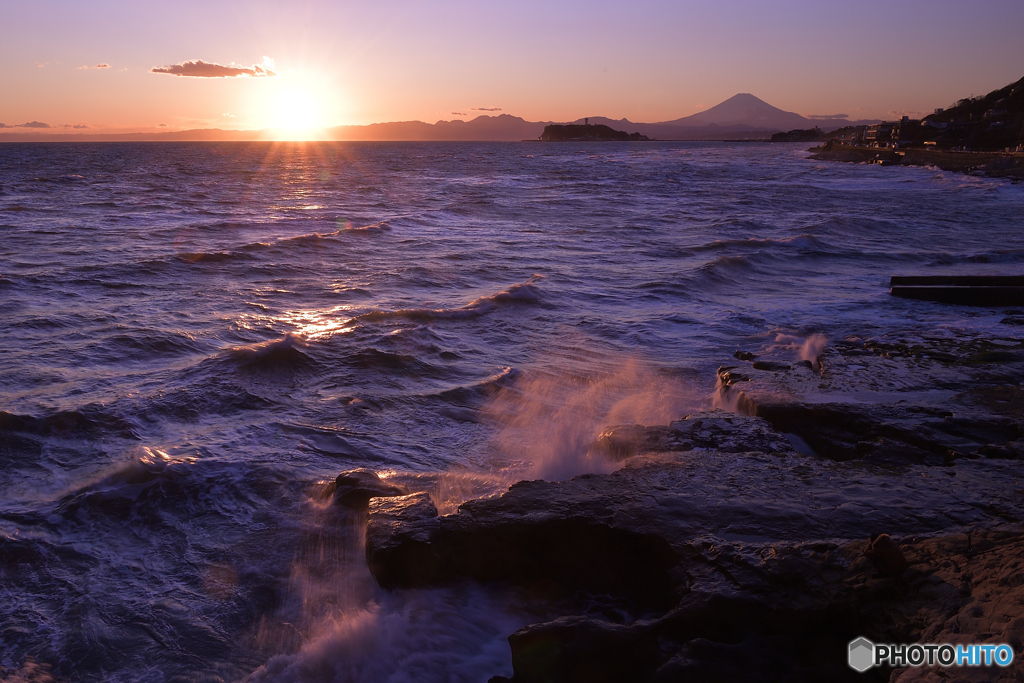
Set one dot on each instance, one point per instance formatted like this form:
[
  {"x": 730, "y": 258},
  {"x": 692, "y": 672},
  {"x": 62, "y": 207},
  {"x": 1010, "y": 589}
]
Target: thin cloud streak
[
  {"x": 200, "y": 69},
  {"x": 485, "y": 108}
]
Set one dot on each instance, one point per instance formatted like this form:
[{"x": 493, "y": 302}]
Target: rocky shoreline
[
  {"x": 756, "y": 543},
  {"x": 991, "y": 164}
]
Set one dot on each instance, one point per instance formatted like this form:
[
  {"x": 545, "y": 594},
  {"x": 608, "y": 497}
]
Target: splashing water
[
  {"x": 549, "y": 422},
  {"x": 808, "y": 348}
]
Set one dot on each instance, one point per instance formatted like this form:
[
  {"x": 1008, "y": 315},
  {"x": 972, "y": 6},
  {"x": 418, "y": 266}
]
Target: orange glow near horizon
[
  {"x": 295, "y": 113},
  {"x": 296, "y": 106}
]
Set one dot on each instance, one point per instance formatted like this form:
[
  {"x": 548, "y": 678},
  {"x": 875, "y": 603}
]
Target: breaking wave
[
  {"x": 287, "y": 353},
  {"x": 522, "y": 293}
]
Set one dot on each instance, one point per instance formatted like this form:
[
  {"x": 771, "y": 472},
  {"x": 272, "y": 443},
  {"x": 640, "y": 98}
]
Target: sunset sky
[{"x": 68, "y": 64}]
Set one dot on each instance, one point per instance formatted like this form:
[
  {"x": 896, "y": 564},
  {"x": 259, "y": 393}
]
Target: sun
[{"x": 296, "y": 115}]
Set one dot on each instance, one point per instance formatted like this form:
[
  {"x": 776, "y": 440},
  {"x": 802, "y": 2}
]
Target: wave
[
  {"x": 999, "y": 256},
  {"x": 145, "y": 344},
  {"x": 805, "y": 241},
  {"x": 248, "y": 252},
  {"x": 375, "y": 359},
  {"x": 473, "y": 394},
  {"x": 522, "y": 293},
  {"x": 212, "y": 394},
  {"x": 448, "y": 634},
  {"x": 285, "y": 354},
  {"x": 183, "y": 484},
  {"x": 420, "y": 339},
  {"x": 70, "y": 178},
  {"x": 727, "y": 267},
  {"x": 382, "y": 226},
  {"x": 125, "y": 482},
  {"x": 314, "y": 237},
  {"x": 848, "y": 226},
  {"x": 209, "y": 256},
  {"x": 92, "y": 421}
]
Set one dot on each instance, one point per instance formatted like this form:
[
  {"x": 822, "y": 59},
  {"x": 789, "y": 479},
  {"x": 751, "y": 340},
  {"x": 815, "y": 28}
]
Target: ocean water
[{"x": 196, "y": 336}]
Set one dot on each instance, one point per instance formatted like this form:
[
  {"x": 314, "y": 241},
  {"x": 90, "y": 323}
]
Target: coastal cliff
[{"x": 983, "y": 135}]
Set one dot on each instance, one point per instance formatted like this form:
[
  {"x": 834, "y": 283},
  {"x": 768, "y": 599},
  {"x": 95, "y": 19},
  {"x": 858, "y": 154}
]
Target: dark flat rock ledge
[
  {"x": 662, "y": 506},
  {"x": 754, "y": 545},
  {"x": 720, "y": 558},
  {"x": 995, "y": 164}
]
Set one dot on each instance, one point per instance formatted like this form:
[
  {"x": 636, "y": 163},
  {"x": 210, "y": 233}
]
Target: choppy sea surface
[{"x": 195, "y": 336}]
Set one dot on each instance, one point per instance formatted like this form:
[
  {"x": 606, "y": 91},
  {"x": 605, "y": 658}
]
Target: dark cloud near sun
[
  {"x": 458, "y": 113},
  {"x": 827, "y": 116},
  {"x": 485, "y": 109},
  {"x": 30, "y": 124},
  {"x": 200, "y": 69}
]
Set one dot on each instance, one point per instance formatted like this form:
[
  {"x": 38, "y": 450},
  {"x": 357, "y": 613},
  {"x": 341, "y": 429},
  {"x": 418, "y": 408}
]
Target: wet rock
[
  {"x": 727, "y": 378},
  {"x": 771, "y": 365},
  {"x": 772, "y": 570},
  {"x": 706, "y": 565},
  {"x": 400, "y": 535},
  {"x": 744, "y": 355},
  {"x": 1011, "y": 450},
  {"x": 884, "y": 434},
  {"x": 584, "y": 650},
  {"x": 988, "y": 570},
  {"x": 524, "y": 537},
  {"x": 1005, "y": 400},
  {"x": 630, "y": 533},
  {"x": 623, "y": 441},
  {"x": 727, "y": 432},
  {"x": 886, "y": 555},
  {"x": 786, "y": 612},
  {"x": 718, "y": 429},
  {"x": 354, "y": 489}
]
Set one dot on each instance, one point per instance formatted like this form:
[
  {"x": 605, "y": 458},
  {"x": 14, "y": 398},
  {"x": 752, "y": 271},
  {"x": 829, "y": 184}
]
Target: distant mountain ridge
[
  {"x": 742, "y": 114},
  {"x": 741, "y": 117}
]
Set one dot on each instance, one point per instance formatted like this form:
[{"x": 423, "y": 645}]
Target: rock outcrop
[
  {"x": 718, "y": 559},
  {"x": 755, "y": 545},
  {"x": 354, "y": 489}
]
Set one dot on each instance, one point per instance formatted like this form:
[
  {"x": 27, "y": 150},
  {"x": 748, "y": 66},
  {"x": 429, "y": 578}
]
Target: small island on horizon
[{"x": 588, "y": 133}]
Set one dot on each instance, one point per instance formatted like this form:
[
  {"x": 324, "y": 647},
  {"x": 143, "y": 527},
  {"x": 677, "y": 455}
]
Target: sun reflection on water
[{"x": 314, "y": 325}]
